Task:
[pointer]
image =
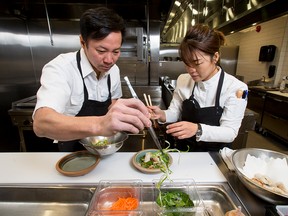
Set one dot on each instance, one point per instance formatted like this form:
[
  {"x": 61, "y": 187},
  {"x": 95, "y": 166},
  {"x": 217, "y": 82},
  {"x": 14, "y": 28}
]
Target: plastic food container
[
  {"x": 186, "y": 186},
  {"x": 109, "y": 192}
]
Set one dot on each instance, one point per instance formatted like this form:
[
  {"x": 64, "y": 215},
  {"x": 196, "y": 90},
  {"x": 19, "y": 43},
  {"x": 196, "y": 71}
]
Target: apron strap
[
  {"x": 78, "y": 58},
  {"x": 218, "y": 91},
  {"x": 219, "y": 88}
]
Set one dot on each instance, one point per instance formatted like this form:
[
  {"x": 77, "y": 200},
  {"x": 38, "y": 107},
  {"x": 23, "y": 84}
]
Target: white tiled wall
[{"x": 273, "y": 32}]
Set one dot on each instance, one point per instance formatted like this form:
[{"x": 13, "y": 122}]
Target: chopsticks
[
  {"x": 148, "y": 101},
  {"x": 150, "y": 129}
]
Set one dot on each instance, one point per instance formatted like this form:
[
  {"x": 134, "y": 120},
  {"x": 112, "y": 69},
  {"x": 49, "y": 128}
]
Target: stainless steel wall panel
[
  {"x": 142, "y": 74},
  {"x": 15, "y": 57},
  {"x": 25, "y": 47},
  {"x": 154, "y": 73},
  {"x": 136, "y": 71},
  {"x": 154, "y": 52},
  {"x": 170, "y": 64},
  {"x": 229, "y": 58},
  {"x": 65, "y": 35},
  {"x": 172, "y": 69}
]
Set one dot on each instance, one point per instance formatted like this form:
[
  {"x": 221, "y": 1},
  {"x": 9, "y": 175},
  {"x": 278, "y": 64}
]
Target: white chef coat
[
  {"x": 62, "y": 85},
  {"x": 205, "y": 94}
]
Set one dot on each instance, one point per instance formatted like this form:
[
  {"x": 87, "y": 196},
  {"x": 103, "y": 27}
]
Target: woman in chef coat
[
  {"x": 79, "y": 90},
  {"x": 208, "y": 104}
]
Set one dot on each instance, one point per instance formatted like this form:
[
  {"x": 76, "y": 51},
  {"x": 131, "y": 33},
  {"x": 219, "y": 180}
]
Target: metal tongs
[{"x": 150, "y": 129}]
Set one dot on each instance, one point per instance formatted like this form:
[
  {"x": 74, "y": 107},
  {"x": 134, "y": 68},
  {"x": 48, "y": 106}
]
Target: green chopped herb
[{"x": 100, "y": 143}]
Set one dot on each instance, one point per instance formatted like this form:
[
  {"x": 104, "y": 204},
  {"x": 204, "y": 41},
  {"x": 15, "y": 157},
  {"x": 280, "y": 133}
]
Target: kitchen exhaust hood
[
  {"x": 72, "y": 9},
  {"x": 225, "y": 15},
  {"x": 174, "y": 15}
]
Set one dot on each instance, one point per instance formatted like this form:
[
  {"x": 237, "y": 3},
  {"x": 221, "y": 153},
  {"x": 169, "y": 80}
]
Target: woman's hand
[
  {"x": 182, "y": 129},
  {"x": 157, "y": 113}
]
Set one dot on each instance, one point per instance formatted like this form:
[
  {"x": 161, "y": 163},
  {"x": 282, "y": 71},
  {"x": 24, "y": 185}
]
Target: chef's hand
[
  {"x": 182, "y": 129},
  {"x": 157, "y": 113},
  {"x": 129, "y": 115}
]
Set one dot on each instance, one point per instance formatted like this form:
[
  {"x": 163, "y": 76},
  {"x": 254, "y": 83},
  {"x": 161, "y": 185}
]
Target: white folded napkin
[{"x": 226, "y": 154}]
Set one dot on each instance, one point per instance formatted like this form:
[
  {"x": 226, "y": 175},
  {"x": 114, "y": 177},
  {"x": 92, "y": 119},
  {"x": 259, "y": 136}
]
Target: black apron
[
  {"x": 89, "y": 108},
  {"x": 192, "y": 112}
]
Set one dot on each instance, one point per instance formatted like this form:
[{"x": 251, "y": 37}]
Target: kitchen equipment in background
[
  {"x": 170, "y": 64},
  {"x": 267, "y": 53},
  {"x": 229, "y": 59},
  {"x": 21, "y": 116},
  {"x": 283, "y": 83},
  {"x": 271, "y": 71}
]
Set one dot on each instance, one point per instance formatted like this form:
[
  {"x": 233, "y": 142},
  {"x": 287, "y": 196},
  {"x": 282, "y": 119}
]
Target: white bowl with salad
[{"x": 152, "y": 161}]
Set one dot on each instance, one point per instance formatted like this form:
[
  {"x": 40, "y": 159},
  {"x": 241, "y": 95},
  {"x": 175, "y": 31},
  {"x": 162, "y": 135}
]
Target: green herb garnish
[
  {"x": 154, "y": 160},
  {"x": 100, "y": 143},
  {"x": 174, "y": 199}
]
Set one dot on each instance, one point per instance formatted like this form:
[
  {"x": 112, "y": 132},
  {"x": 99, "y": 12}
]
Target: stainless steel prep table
[{"x": 207, "y": 168}]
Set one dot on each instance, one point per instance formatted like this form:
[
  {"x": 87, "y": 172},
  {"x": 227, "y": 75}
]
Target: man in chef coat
[{"x": 80, "y": 91}]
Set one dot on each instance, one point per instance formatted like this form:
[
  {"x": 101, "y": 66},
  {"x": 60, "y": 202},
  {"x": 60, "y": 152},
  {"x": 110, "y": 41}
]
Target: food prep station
[
  {"x": 219, "y": 187},
  {"x": 42, "y": 187},
  {"x": 31, "y": 182},
  {"x": 74, "y": 200}
]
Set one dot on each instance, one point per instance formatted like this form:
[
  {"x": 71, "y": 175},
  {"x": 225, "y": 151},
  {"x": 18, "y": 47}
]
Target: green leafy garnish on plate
[{"x": 154, "y": 160}]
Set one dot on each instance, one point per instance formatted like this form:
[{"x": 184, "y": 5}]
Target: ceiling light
[
  {"x": 177, "y": 3},
  {"x": 193, "y": 22},
  {"x": 205, "y": 11}
]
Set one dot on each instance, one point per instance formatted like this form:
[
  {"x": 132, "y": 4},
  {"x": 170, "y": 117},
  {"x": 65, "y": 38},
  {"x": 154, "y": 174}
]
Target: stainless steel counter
[{"x": 202, "y": 166}]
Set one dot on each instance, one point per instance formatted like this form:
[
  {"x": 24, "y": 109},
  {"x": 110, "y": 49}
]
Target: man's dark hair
[{"x": 98, "y": 23}]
